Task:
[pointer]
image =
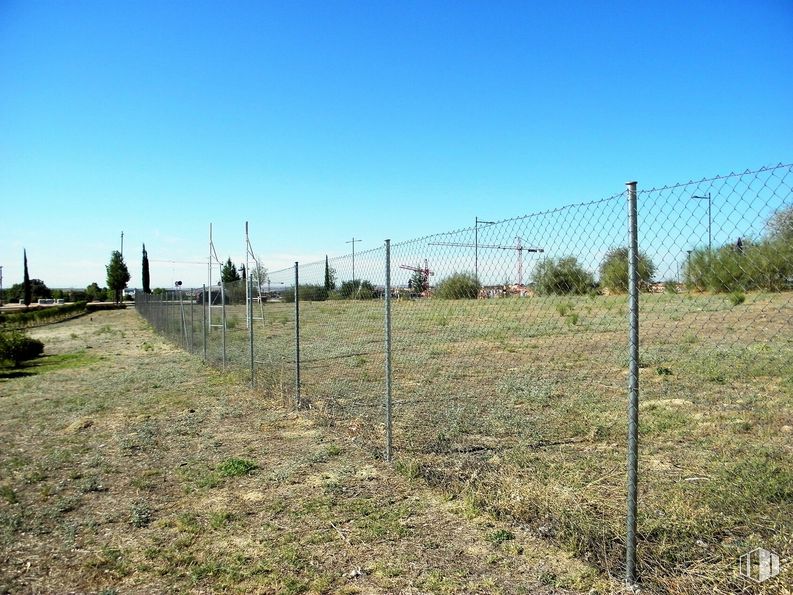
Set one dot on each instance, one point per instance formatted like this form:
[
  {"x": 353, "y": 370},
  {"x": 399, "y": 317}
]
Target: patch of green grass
[
  {"x": 8, "y": 494},
  {"x": 235, "y": 467},
  {"x": 500, "y": 536},
  {"x": 220, "y": 519},
  {"x": 49, "y": 363},
  {"x": 109, "y": 559}
]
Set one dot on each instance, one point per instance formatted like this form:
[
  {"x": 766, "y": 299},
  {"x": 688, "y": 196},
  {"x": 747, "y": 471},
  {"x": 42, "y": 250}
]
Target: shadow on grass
[{"x": 45, "y": 364}]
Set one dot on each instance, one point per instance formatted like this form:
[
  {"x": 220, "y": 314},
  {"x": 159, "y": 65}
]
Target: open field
[
  {"x": 517, "y": 407},
  {"x": 130, "y": 467}
]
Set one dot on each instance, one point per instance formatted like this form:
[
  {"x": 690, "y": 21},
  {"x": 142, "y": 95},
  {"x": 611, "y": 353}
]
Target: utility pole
[
  {"x": 477, "y": 221},
  {"x": 352, "y": 241},
  {"x": 122, "y": 243}
]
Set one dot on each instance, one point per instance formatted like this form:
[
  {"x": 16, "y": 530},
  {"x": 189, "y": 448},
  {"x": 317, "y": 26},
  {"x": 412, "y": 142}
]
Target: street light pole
[
  {"x": 710, "y": 218},
  {"x": 352, "y": 241}
]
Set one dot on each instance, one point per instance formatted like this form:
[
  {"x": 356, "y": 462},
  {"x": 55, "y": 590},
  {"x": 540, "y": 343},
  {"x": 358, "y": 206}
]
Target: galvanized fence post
[
  {"x": 388, "y": 350},
  {"x": 184, "y": 319},
  {"x": 297, "y": 337},
  {"x": 192, "y": 321},
  {"x": 633, "y": 384},
  {"x": 249, "y": 292},
  {"x": 223, "y": 311},
  {"x": 204, "y": 322}
]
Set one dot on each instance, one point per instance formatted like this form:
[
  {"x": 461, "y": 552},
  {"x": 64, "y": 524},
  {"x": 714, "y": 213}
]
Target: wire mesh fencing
[{"x": 511, "y": 368}]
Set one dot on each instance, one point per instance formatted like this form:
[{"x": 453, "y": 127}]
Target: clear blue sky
[{"x": 317, "y": 121}]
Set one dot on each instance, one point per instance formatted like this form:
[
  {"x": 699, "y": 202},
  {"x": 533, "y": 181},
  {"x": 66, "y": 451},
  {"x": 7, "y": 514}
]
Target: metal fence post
[
  {"x": 204, "y": 323},
  {"x": 192, "y": 321},
  {"x": 184, "y": 319},
  {"x": 223, "y": 311},
  {"x": 249, "y": 292},
  {"x": 388, "y": 350},
  {"x": 297, "y": 337},
  {"x": 633, "y": 384}
]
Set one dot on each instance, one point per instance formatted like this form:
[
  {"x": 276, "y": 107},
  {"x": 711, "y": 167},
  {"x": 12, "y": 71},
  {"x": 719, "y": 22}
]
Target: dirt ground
[{"x": 128, "y": 466}]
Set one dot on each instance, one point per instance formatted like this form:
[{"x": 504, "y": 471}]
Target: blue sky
[{"x": 319, "y": 121}]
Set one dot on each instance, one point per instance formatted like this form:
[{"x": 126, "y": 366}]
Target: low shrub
[
  {"x": 308, "y": 293},
  {"x": 459, "y": 286},
  {"x": 39, "y": 314},
  {"x": 357, "y": 290},
  {"x": 562, "y": 276},
  {"x": 766, "y": 266},
  {"x": 16, "y": 347},
  {"x": 94, "y": 306}
]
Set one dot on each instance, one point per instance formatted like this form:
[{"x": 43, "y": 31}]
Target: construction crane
[
  {"x": 518, "y": 247},
  {"x": 425, "y": 276}
]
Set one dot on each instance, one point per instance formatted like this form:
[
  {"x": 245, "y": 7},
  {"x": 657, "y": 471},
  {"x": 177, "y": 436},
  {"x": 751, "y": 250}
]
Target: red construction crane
[{"x": 425, "y": 276}]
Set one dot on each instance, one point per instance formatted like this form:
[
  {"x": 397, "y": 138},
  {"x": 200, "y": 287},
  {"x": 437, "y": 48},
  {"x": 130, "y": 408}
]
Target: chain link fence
[{"x": 516, "y": 347}]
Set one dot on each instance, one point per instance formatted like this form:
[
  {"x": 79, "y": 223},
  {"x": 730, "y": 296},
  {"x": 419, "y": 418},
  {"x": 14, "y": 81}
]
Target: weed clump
[{"x": 141, "y": 515}]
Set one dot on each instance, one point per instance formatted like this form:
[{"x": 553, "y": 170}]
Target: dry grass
[
  {"x": 517, "y": 408},
  {"x": 128, "y": 466}
]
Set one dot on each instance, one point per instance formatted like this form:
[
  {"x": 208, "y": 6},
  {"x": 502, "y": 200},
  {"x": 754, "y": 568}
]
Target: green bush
[
  {"x": 460, "y": 286},
  {"x": 767, "y": 265},
  {"x": 357, "y": 290},
  {"x": 562, "y": 276},
  {"x": 17, "y": 347},
  {"x": 614, "y": 270},
  {"x": 308, "y": 293}
]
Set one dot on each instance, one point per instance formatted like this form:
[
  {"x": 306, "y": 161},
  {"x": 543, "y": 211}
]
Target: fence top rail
[{"x": 747, "y": 172}]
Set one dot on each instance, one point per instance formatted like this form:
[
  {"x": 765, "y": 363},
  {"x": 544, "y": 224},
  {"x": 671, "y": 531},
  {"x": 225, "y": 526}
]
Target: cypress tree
[
  {"x": 117, "y": 274},
  {"x": 145, "y": 274},
  {"x": 330, "y": 283},
  {"x": 229, "y": 272},
  {"x": 26, "y": 288}
]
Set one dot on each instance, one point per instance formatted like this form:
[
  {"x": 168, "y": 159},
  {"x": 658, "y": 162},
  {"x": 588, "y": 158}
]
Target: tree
[
  {"x": 145, "y": 273},
  {"x": 243, "y": 272},
  {"x": 229, "y": 274},
  {"x": 562, "y": 276},
  {"x": 614, "y": 270},
  {"x": 258, "y": 274},
  {"x": 780, "y": 225},
  {"x": 95, "y": 293},
  {"x": 330, "y": 276},
  {"x": 38, "y": 289},
  {"x": 418, "y": 283},
  {"x": 26, "y": 280},
  {"x": 459, "y": 286},
  {"x": 117, "y": 275}
]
